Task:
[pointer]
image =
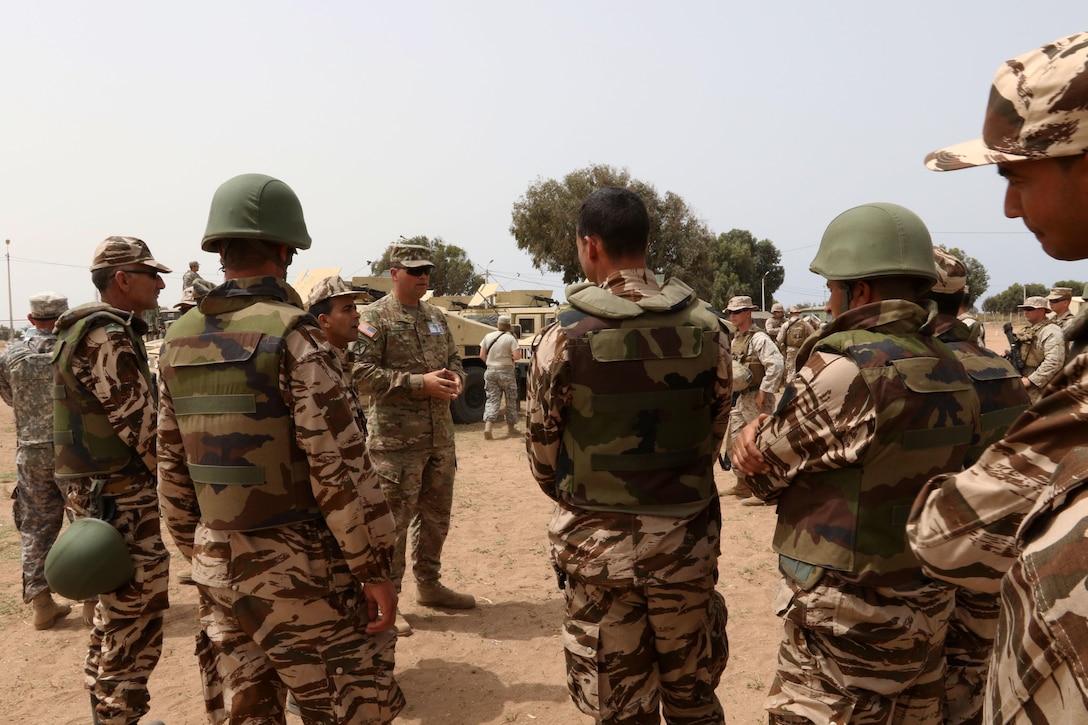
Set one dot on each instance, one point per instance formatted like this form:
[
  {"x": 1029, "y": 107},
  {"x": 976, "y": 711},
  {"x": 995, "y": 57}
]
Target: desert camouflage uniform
[
  {"x": 109, "y": 364},
  {"x": 1043, "y": 351},
  {"x": 968, "y": 528},
  {"x": 281, "y": 607},
  {"x": 790, "y": 338},
  {"x": 1002, "y": 398},
  {"x": 975, "y": 327},
  {"x": 644, "y": 623},
  {"x": 26, "y": 384},
  {"x": 1063, "y": 321},
  {"x": 848, "y": 447},
  {"x": 774, "y": 325},
  {"x": 754, "y": 346},
  {"x": 411, "y": 434},
  {"x": 500, "y": 381}
]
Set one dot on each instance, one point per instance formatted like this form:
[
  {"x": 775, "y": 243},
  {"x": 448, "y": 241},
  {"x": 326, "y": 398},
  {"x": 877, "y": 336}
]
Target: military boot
[
  {"x": 512, "y": 430},
  {"x": 439, "y": 595},
  {"x": 487, "y": 431},
  {"x": 740, "y": 490},
  {"x": 401, "y": 625},
  {"x": 46, "y": 611}
]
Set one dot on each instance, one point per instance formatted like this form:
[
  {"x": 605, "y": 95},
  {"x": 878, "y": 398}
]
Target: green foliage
[
  {"x": 1006, "y": 302},
  {"x": 1077, "y": 287},
  {"x": 453, "y": 271},
  {"x": 744, "y": 266},
  {"x": 978, "y": 279},
  {"x": 544, "y": 225}
]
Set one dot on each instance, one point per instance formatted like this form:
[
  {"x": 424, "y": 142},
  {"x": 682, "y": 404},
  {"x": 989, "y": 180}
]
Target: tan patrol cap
[
  {"x": 740, "y": 304},
  {"x": 410, "y": 255},
  {"x": 1034, "y": 303},
  {"x": 332, "y": 287},
  {"x": 117, "y": 251},
  {"x": 48, "y": 305},
  {"x": 1058, "y": 294}
]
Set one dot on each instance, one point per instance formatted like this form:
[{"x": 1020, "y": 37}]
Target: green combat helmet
[
  {"x": 88, "y": 559},
  {"x": 875, "y": 240},
  {"x": 256, "y": 206}
]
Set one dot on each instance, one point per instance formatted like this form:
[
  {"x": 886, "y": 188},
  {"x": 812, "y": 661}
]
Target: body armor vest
[
  {"x": 83, "y": 437},
  {"x": 797, "y": 333},
  {"x": 638, "y": 435},
  {"x": 239, "y": 437},
  {"x": 853, "y": 520},
  {"x": 32, "y": 392},
  {"x": 741, "y": 349}
]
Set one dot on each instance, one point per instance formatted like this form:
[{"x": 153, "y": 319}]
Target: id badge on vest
[{"x": 436, "y": 328}]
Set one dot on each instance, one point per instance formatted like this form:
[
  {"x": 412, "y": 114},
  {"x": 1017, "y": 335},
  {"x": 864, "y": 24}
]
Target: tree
[
  {"x": 978, "y": 279},
  {"x": 453, "y": 272},
  {"x": 1077, "y": 287},
  {"x": 745, "y": 266},
  {"x": 544, "y": 224},
  {"x": 1006, "y": 302}
]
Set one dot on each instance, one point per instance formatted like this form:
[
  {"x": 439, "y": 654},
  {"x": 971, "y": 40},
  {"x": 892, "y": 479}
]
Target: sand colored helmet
[
  {"x": 255, "y": 206},
  {"x": 777, "y": 307},
  {"x": 875, "y": 240},
  {"x": 88, "y": 559}
]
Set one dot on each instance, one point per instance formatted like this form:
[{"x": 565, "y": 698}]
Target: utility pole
[
  {"x": 763, "y": 291},
  {"x": 11, "y": 314}
]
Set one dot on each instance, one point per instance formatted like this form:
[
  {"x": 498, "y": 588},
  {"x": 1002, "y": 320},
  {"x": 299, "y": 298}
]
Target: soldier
[
  {"x": 26, "y": 384},
  {"x": 332, "y": 303},
  {"x": 755, "y": 350},
  {"x": 1059, "y": 300},
  {"x": 267, "y": 489},
  {"x": 1002, "y": 399},
  {"x": 193, "y": 294},
  {"x": 878, "y": 407},
  {"x": 775, "y": 322},
  {"x": 1014, "y": 521},
  {"x": 635, "y": 533},
  {"x": 191, "y": 276},
  {"x": 410, "y": 367},
  {"x": 1042, "y": 347},
  {"x": 796, "y": 330},
  {"x": 976, "y": 328},
  {"x": 499, "y": 350},
  {"x": 104, "y": 434}
]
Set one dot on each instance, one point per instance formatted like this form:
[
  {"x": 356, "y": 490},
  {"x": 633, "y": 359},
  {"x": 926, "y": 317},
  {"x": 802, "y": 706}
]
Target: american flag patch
[{"x": 368, "y": 329}]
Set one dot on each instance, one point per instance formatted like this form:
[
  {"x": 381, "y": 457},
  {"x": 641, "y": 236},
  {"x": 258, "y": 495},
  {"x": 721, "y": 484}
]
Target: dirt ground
[{"x": 499, "y": 663}]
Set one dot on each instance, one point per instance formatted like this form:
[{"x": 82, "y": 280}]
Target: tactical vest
[
  {"x": 84, "y": 440},
  {"x": 1030, "y": 349},
  {"x": 239, "y": 437},
  {"x": 741, "y": 349},
  {"x": 797, "y": 333},
  {"x": 853, "y": 520},
  {"x": 637, "y": 437},
  {"x": 32, "y": 393}
]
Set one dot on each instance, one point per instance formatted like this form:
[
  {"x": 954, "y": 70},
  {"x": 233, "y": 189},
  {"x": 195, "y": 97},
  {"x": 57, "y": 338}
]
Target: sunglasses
[
  {"x": 417, "y": 271},
  {"x": 148, "y": 272}
]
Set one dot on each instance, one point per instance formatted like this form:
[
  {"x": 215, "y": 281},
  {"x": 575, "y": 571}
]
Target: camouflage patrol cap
[
  {"x": 1038, "y": 109},
  {"x": 331, "y": 287},
  {"x": 951, "y": 273},
  {"x": 740, "y": 304},
  {"x": 1057, "y": 294},
  {"x": 1034, "y": 303},
  {"x": 118, "y": 251},
  {"x": 795, "y": 309},
  {"x": 410, "y": 255},
  {"x": 48, "y": 305}
]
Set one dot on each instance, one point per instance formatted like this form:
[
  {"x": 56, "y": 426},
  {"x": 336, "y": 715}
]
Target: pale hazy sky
[{"x": 433, "y": 118}]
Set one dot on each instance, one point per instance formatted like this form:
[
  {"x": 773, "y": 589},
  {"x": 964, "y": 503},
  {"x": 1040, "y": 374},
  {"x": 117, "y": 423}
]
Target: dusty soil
[{"x": 499, "y": 663}]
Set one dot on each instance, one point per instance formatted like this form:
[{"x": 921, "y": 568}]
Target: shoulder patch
[{"x": 367, "y": 329}]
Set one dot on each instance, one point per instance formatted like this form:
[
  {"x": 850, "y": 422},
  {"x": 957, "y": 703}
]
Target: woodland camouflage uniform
[
  {"x": 636, "y": 544},
  {"x": 1015, "y": 521},
  {"x": 294, "y": 615},
  {"x": 877, "y": 407},
  {"x": 101, "y": 365},
  {"x": 26, "y": 384}
]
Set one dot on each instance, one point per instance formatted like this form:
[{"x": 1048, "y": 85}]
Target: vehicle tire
[{"x": 469, "y": 407}]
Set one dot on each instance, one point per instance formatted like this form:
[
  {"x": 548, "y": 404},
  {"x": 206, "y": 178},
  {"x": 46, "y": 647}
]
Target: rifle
[{"x": 1013, "y": 355}]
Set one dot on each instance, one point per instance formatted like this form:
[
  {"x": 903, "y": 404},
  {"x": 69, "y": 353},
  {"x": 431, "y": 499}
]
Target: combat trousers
[
  {"x": 38, "y": 511},
  {"x": 968, "y": 647},
  {"x": 126, "y": 640},
  {"x": 861, "y": 655},
  {"x": 633, "y": 650},
  {"x": 252, "y": 650},
  {"x": 499, "y": 383},
  {"x": 418, "y": 485}
]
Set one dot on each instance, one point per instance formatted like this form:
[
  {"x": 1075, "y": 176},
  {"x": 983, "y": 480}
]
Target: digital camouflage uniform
[
  {"x": 103, "y": 387},
  {"x": 877, "y": 408},
  {"x": 26, "y": 384},
  {"x": 637, "y": 542},
  {"x": 189, "y": 278},
  {"x": 1042, "y": 348},
  {"x": 281, "y": 605},
  {"x": 500, "y": 381},
  {"x": 790, "y": 338},
  {"x": 1002, "y": 398},
  {"x": 755, "y": 350},
  {"x": 774, "y": 325},
  {"x": 411, "y": 433}
]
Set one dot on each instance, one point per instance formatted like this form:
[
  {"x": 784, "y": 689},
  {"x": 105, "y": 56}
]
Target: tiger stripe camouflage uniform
[
  {"x": 411, "y": 434},
  {"x": 864, "y": 630},
  {"x": 26, "y": 384},
  {"x": 1002, "y": 398},
  {"x": 644, "y": 625},
  {"x": 107, "y": 368},
  {"x": 294, "y": 616}
]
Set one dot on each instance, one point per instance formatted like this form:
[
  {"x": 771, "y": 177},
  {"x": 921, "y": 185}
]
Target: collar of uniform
[
  {"x": 632, "y": 284},
  {"x": 888, "y": 316},
  {"x": 951, "y": 329},
  {"x": 237, "y": 293}
]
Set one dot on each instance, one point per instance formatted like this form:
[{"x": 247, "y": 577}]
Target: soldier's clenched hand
[
  {"x": 381, "y": 602},
  {"x": 744, "y": 454}
]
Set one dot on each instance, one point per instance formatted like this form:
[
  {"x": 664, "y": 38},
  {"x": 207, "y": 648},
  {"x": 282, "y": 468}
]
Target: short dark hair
[
  {"x": 618, "y": 217},
  {"x": 324, "y": 307},
  {"x": 243, "y": 253},
  {"x": 948, "y": 303},
  {"x": 101, "y": 278}
]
